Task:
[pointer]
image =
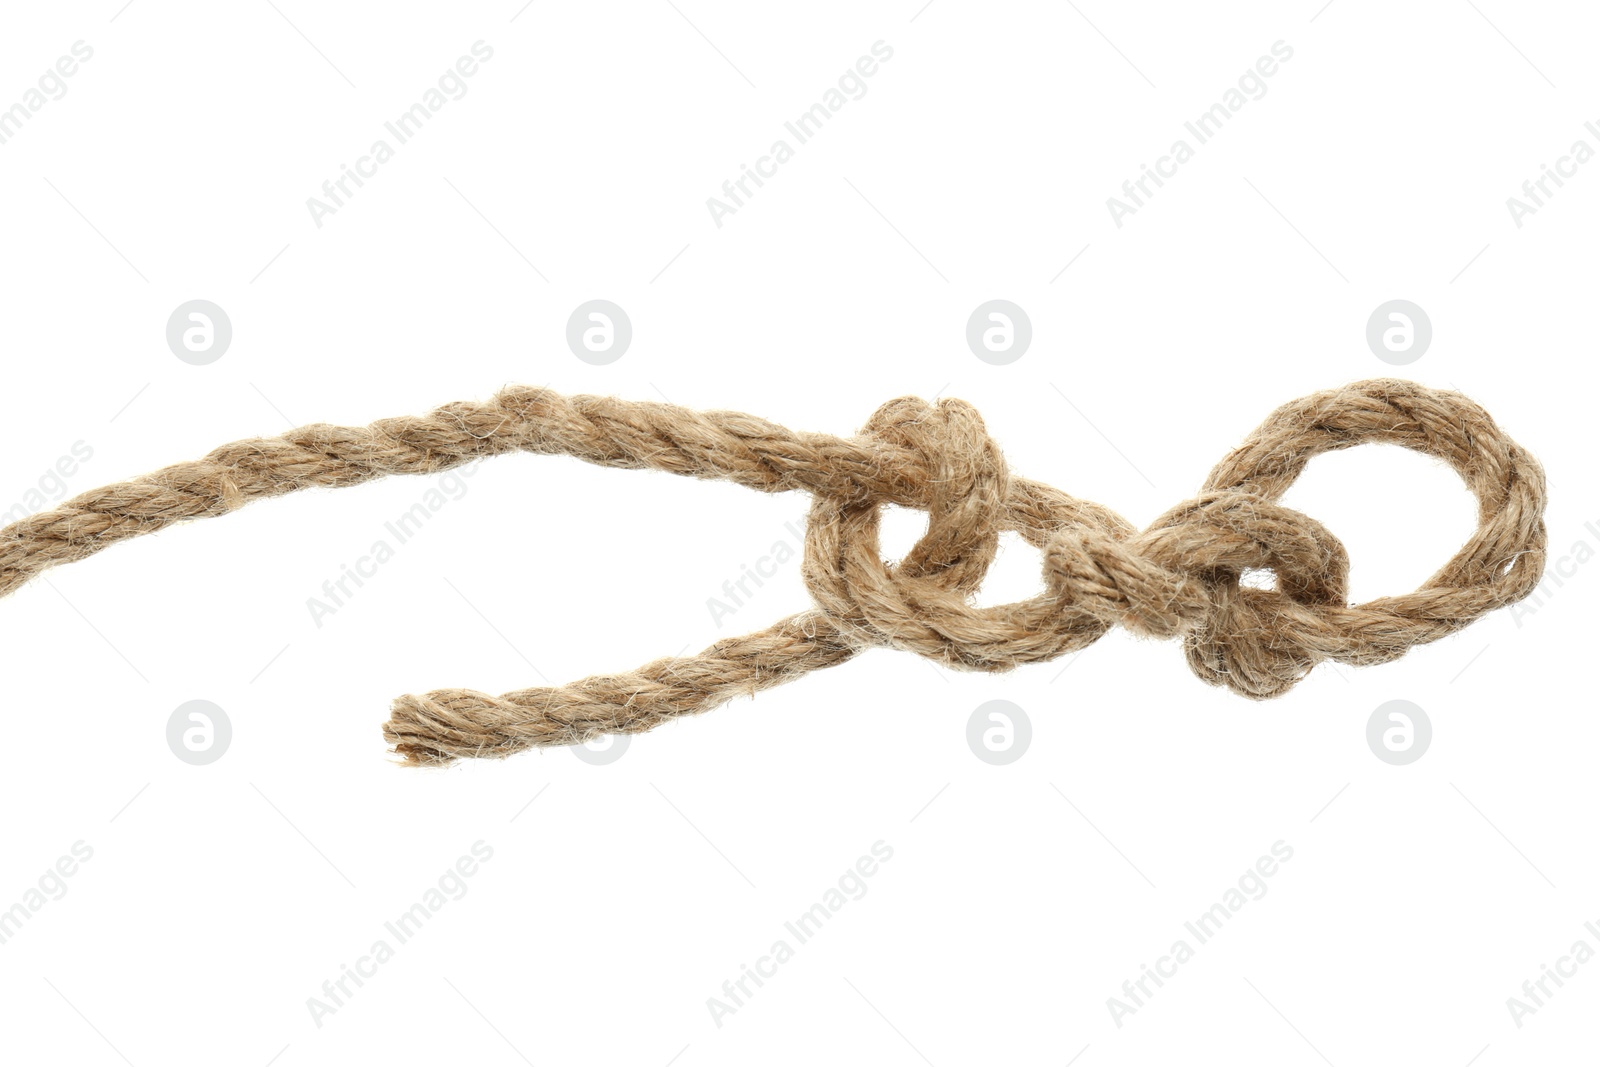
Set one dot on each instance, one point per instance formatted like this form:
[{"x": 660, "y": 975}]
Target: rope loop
[{"x": 1181, "y": 577}]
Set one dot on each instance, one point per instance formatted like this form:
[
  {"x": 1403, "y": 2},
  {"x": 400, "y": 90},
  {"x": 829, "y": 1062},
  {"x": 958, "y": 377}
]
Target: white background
[{"x": 1019, "y": 898}]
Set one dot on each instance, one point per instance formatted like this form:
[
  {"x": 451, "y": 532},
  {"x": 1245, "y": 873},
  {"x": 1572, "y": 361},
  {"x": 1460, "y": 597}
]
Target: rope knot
[
  {"x": 1180, "y": 577},
  {"x": 1183, "y": 575},
  {"x": 921, "y": 604}
]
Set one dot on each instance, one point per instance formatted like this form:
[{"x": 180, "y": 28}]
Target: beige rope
[{"x": 1177, "y": 578}]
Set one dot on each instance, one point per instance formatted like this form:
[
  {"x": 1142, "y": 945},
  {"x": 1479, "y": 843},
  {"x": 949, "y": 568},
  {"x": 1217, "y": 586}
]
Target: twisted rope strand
[{"x": 1177, "y": 578}]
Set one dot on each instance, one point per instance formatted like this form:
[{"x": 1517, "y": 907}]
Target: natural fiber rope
[{"x": 1178, "y": 577}]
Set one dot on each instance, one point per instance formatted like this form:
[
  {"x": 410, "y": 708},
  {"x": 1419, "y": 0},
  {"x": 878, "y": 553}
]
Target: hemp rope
[{"x": 1180, "y": 577}]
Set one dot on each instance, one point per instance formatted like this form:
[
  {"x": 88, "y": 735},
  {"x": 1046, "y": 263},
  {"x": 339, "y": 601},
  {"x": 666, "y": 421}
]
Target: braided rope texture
[{"x": 1177, "y": 578}]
